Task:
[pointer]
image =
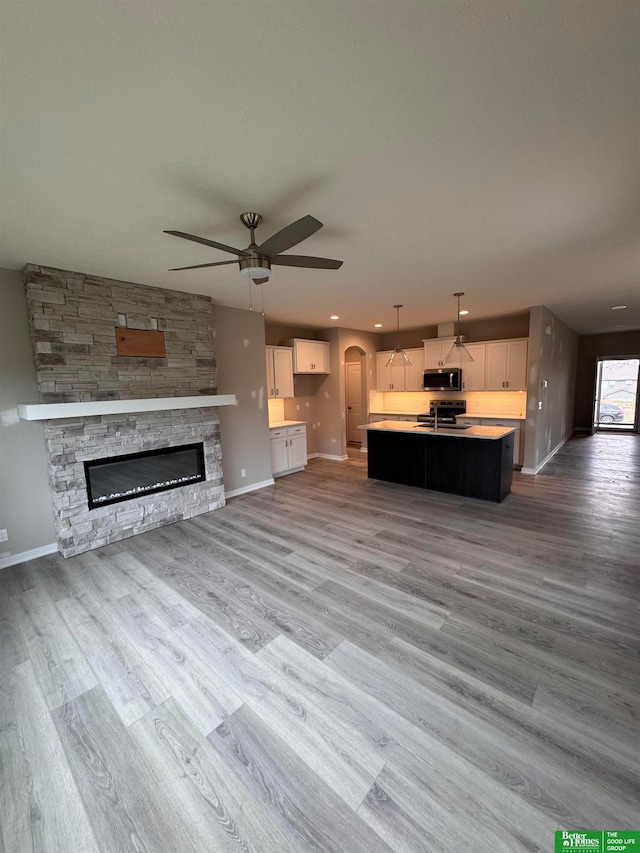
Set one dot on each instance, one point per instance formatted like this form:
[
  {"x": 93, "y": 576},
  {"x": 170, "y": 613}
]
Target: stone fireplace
[{"x": 73, "y": 321}]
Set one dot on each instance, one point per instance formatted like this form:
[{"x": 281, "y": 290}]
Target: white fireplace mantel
[{"x": 55, "y": 411}]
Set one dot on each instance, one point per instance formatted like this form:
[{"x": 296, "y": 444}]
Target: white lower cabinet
[
  {"x": 288, "y": 449},
  {"x": 374, "y": 419},
  {"x": 501, "y": 422},
  {"x": 517, "y": 443}
]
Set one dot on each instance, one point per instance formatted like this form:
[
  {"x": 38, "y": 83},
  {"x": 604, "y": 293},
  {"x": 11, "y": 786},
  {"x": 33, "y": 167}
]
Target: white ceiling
[{"x": 489, "y": 147}]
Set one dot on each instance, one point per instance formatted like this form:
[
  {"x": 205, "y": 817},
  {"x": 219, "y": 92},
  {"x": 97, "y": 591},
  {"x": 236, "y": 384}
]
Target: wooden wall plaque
[{"x": 140, "y": 342}]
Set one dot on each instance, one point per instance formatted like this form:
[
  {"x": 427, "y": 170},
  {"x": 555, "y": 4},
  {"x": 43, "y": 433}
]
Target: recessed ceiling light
[
  {"x": 334, "y": 317},
  {"x": 618, "y": 307},
  {"x": 377, "y": 326},
  {"x": 462, "y": 313}
]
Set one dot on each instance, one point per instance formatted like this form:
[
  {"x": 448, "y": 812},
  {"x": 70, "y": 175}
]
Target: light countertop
[
  {"x": 471, "y": 432},
  {"x": 280, "y": 424},
  {"x": 518, "y": 417},
  {"x": 490, "y": 416}
]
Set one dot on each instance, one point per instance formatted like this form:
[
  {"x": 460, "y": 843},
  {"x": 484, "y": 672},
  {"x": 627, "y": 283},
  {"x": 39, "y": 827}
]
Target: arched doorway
[{"x": 354, "y": 395}]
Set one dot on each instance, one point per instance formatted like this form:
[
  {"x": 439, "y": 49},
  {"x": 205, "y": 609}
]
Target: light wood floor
[{"x": 335, "y": 664}]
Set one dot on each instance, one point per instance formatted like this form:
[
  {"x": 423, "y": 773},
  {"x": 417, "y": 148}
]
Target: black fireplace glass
[{"x": 121, "y": 478}]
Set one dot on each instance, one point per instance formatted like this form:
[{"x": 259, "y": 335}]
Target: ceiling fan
[{"x": 255, "y": 261}]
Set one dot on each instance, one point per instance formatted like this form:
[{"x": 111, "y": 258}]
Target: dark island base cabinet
[{"x": 472, "y": 467}]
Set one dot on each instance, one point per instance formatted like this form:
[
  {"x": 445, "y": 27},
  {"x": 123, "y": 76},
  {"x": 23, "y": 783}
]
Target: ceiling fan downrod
[{"x": 251, "y": 220}]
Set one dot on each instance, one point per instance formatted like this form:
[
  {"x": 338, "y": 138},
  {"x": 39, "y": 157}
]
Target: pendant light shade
[
  {"x": 458, "y": 354},
  {"x": 398, "y": 356}
]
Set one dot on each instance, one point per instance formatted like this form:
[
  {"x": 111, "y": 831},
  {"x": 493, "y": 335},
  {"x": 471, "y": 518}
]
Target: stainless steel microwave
[{"x": 442, "y": 379}]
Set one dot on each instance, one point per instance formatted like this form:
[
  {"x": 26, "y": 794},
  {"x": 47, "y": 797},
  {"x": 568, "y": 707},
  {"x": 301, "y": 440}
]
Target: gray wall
[
  {"x": 25, "y": 505},
  {"x": 491, "y": 329},
  {"x": 276, "y": 334},
  {"x": 302, "y": 406},
  {"x": 239, "y": 343},
  {"x": 592, "y": 347},
  {"x": 553, "y": 357},
  {"x": 331, "y": 399}
]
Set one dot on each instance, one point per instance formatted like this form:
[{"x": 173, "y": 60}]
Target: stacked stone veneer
[{"x": 72, "y": 320}]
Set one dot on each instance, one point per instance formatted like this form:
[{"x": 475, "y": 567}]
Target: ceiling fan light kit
[
  {"x": 398, "y": 353},
  {"x": 255, "y": 268},
  {"x": 458, "y": 352},
  {"x": 255, "y": 261}
]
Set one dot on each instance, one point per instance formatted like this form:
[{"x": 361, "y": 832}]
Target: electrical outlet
[
  {"x": 243, "y": 472},
  {"x": 4, "y": 535}
]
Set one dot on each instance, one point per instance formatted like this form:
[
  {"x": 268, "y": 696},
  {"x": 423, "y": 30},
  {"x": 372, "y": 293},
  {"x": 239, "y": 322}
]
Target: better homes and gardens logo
[{"x": 598, "y": 841}]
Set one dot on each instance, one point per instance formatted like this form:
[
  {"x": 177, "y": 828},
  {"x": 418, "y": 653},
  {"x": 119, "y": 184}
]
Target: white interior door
[{"x": 354, "y": 401}]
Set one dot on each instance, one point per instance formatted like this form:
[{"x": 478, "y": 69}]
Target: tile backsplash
[
  {"x": 276, "y": 410},
  {"x": 489, "y": 403}
]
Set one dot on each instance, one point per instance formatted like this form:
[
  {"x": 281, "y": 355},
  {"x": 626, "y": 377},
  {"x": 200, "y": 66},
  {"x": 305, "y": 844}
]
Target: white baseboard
[
  {"x": 25, "y": 556},
  {"x": 250, "y": 488},
  {"x": 332, "y": 458},
  {"x": 547, "y": 458},
  {"x": 312, "y": 455}
]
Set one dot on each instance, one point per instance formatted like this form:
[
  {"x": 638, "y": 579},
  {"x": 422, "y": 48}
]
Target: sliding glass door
[{"x": 615, "y": 405}]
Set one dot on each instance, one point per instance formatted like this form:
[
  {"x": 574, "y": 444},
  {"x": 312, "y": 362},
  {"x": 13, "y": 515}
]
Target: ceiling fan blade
[
  {"x": 202, "y": 266},
  {"x": 304, "y": 261},
  {"x": 239, "y": 252},
  {"x": 290, "y": 236}
]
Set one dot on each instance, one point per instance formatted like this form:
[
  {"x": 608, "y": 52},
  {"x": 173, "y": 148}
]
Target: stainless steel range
[{"x": 448, "y": 411}]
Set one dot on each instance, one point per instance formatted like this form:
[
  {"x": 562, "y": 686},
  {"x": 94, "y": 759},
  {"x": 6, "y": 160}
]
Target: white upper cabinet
[
  {"x": 400, "y": 377},
  {"x": 473, "y": 378},
  {"x": 435, "y": 352},
  {"x": 389, "y": 378},
  {"x": 506, "y": 365},
  {"x": 496, "y": 365},
  {"x": 279, "y": 372},
  {"x": 309, "y": 356},
  {"x": 413, "y": 374}
]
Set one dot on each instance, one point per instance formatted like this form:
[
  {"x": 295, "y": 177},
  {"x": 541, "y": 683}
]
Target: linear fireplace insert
[{"x": 120, "y": 478}]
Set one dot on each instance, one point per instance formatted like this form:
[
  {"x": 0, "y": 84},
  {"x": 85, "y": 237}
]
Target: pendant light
[
  {"x": 458, "y": 352},
  {"x": 398, "y": 355}
]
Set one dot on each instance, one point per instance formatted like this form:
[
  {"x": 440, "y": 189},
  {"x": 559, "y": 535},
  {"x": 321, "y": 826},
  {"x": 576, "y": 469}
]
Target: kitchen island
[{"x": 475, "y": 461}]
